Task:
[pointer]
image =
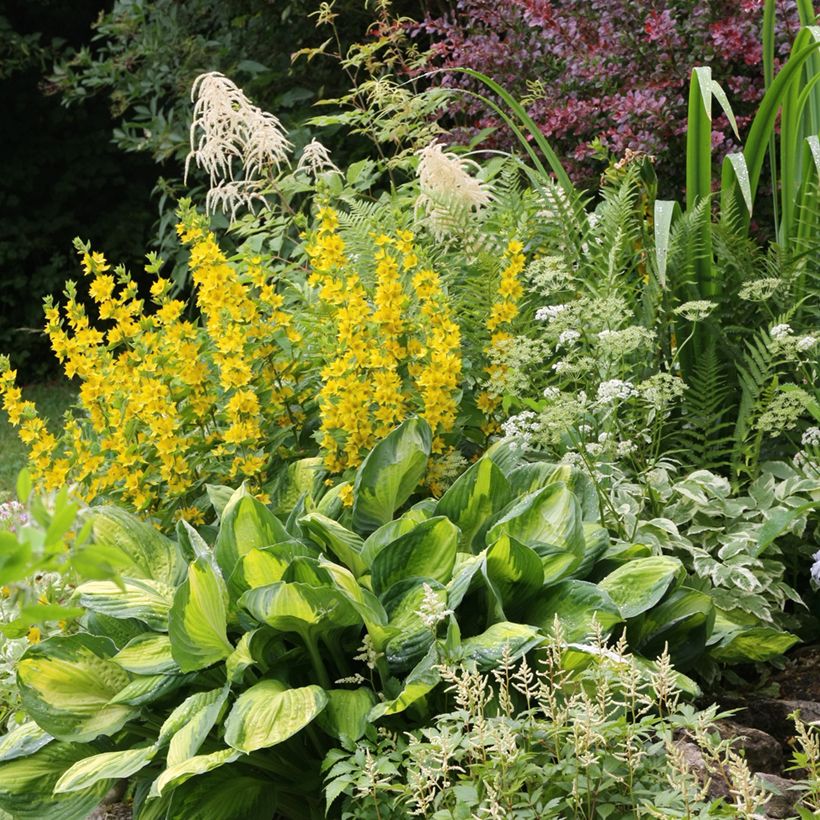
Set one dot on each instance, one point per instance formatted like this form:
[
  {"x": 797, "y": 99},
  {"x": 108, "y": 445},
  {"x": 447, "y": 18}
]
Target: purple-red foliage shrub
[{"x": 615, "y": 71}]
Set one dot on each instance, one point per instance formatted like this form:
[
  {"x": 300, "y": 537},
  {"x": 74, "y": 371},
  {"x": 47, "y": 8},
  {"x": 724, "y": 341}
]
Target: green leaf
[
  {"x": 473, "y": 498},
  {"x": 638, "y": 585},
  {"x": 490, "y": 647},
  {"x": 388, "y": 533},
  {"x": 419, "y": 683},
  {"x": 428, "y": 551},
  {"x": 515, "y": 570},
  {"x": 27, "y": 783},
  {"x": 148, "y": 688},
  {"x": 269, "y": 713},
  {"x": 147, "y": 552},
  {"x": 67, "y": 684},
  {"x": 390, "y": 473},
  {"x": 146, "y": 600},
  {"x": 346, "y": 715},
  {"x": 24, "y": 486},
  {"x": 755, "y": 644},
  {"x": 246, "y": 524},
  {"x": 577, "y": 604},
  {"x": 202, "y": 711},
  {"x": 665, "y": 212},
  {"x": 22, "y": 741},
  {"x": 197, "y": 623},
  {"x": 412, "y": 637},
  {"x": 299, "y": 478},
  {"x": 147, "y": 654},
  {"x": 219, "y": 496},
  {"x": 106, "y": 766},
  {"x": 178, "y": 773},
  {"x": 336, "y": 539},
  {"x": 185, "y": 714}
]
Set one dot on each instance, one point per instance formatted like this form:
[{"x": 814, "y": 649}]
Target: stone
[
  {"x": 781, "y": 803},
  {"x": 693, "y": 756},
  {"x": 771, "y": 715},
  {"x": 762, "y": 752}
]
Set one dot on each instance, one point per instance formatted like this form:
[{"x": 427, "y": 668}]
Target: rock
[
  {"x": 781, "y": 803},
  {"x": 697, "y": 764},
  {"x": 762, "y": 752},
  {"x": 772, "y": 716}
]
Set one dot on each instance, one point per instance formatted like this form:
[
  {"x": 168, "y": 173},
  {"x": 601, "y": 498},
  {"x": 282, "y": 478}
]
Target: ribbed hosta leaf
[
  {"x": 106, "y": 766},
  {"x": 146, "y": 600},
  {"x": 191, "y": 767},
  {"x": 147, "y": 654}
]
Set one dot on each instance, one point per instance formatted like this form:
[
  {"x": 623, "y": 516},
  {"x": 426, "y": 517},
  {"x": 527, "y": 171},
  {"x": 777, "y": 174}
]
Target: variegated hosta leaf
[
  {"x": 150, "y": 554},
  {"x": 188, "y": 709},
  {"x": 145, "y": 689},
  {"x": 245, "y": 524},
  {"x": 27, "y": 783},
  {"x": 144, "y": 599},
  {"x": 22, "y": 741},
  {"x": 404, "y": 604},
  {"x": 346, "y": 715},
  {"x": 202, "y": 714},
  {"x": 420, "y": 682},
  {"x": 389, "y": 474},
  {"x": 147, "y": 654},
  {"x": 197, "y": 622},
  {"x": 332, "y": 537},
  {"x": 269, "y": 713},
  {"x": 515, "y": 570},
  {"x": 577, "y": 604},
  {"x": 638, "y": 585},
  {"x": 106, "y": 766},
  {"x": 178, "y": 773},
  {"x": 490, "y": 647},
  {"x": 67, "y": 684}
]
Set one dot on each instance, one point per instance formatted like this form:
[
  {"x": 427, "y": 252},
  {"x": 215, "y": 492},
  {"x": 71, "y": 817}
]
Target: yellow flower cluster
[
  {"x": 167, "y": 404},
  {"x": 503, "y": 312},
  {"x": 394, "y": 353}
]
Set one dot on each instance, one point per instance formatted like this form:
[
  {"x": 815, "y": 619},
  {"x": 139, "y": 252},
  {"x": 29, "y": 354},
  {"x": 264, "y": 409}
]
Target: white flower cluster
[
  {"x": 567, "y": 338},
  {"x": 780, "y": 331},
  {"x": 13, "y": 515},
  {"x": 432, "y": 610},
  {"x": 619, "y": 343},
  {"x": 696, "y": 310},
  {"x": 615, "y": 389},
  {"x": 760, "y": 289},
  {"x": 783, "y": 411},
  {"x": 811, "y": 437},
  {"x": 548, "y": 313}
]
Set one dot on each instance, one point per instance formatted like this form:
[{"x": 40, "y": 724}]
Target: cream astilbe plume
[
  {"x": 234, "y": 142},
  {"x": 316, "y": 159},
  {"x": 447, "y": 189}
]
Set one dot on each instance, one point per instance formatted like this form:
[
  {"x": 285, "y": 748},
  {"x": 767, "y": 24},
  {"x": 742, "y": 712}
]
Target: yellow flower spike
[{"x": 34, "y": 635}]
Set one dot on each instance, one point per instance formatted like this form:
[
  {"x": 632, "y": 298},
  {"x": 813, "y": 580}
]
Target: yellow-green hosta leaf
[
  {"x": 148, "y": 601},
  {"x": 302, "y": 477},
  {"x": 27, "y": 783},
  {"x": 505, "y": 638},
  {"x": 189, "y": 737},
  {"x": 197, "y": 622},
  {"x": 514, "y": 569},
  {"x": 147, "y": 552},
  {"x": 148, "y": 688},
  {"x": 389, "y": 532},
  {"x": 106, "y": 766},
  {"x": 473, "y": 498},
  {"x": 427, "y": 551},
  {"x": 389, "y": 474},
  {"x": 577, "y": 604},
  {"x": 269, "y": 713},
  {"x": 346, "y": 715},
  {"x": 754, "y": 644},
  {"x": 245, "y": 524},
  {"x": 147, "y": 654},
  {"x": 421, "y": 681},
  {"x": 22, "y": 741},
  {"x": 266, "y": 565},
  {"x": 191, "y": 767},
  {"x": 67, "y": 684},
  {"x": 413, "y": 636},
  {"x": 332, "y": 537},
  {"x": 188, "y": 709},
  {"x": 638, "y": 585}
]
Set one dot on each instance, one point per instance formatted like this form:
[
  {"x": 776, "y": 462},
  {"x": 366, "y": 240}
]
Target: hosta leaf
[
  {"x": 388, "y": 533},
  {"x": 26, "y": 785},
  {"x": 191, "y": 767},
  {"x": 147, "y": 688},
  {"x": 265, "y": 565},
  {"x": 639, "y": 584},
  {"x": 190, "y": 737},
  {"x": 389, "y": 474},
  {"x": 465, "y": 570},
  {"x": 577, "y": 604},
  {"x": 596, "y": 542},
  {"x": 473, "y": 498},
  {"x": 148, "y": 601},
  {"x": 754, "y": 644},
  {"x": 550, "y": 515},
  {"x": 420, "y": 682},
  {"x": 149, "y": 553},
  {"x": 197, "y": 622},
  {"x": 106, "y": 766},
  {"x": 346, "y": 715},
  {"x": 245, "y": 524},
  {"x": 297, "y": 479},
  {"x": 489, "y": 648},
  {"x": 67, "y": 683},
  {"x": 147, "y": 654},
  {"x": 428, "y": 551},
  {"x": 514, "y": 569},
  {"x": 188, "y": 710},
  {"x": 412, "y": 636},
  {"x": 22, "y": 741},
  {"x": 269, "y": 713},
  {"x": 219, "y": 495},
  {"x": 339, "y": 541}
]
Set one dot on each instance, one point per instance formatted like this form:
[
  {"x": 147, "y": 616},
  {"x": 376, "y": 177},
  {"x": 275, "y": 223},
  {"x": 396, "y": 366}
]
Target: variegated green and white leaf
[
  {"x": 106, "y": 766},
  {"x": 147, "y": 654},
  {"x": 148, "y": 601}
]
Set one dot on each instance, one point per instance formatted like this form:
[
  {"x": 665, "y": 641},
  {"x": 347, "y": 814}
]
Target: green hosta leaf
[
  {"x": 147, "y": 654},
  {"x": 117, "y": 630},
  {"x": 550, "y": 515},
  {"x": 269, "y": 713},
  {"x": 241, "y": 658},
  {"x": 219, "y": 495},
  {"x": 188, "y": 739},
  {"x": 246, "y": 524},
  {"x": 266, "y": 565},
  {"x": 419, "y": 683},
  {"x": 346, "y": 715},
  {"x": 515, "y": 570},
  {"x": 26, "y": 785},
  {"x": 683, "y": 622},
  {"x": 107, "y": 766},
  {"x": 148, "y": 688},
  {"x": 473, "y": 498},
  {"x": 577, "y": 604},
  {"x": 147, "y": 552},
  {"x": 22, "y": 741},
  {"x": 336, "y": 539},
  {"x": 197, "y": 623},
  {"x": 638, "y": 585},
  {"x": 412, "y": 636},
  {"x": 465, "y": 571},
  {"x": 428, "y": 551},
  {"x": 186, "y": 713},
  {"x": 617, "y": 555},
  {"x": 754, "y": 644},
  {"x": 191, "y": 767},
  {"x": 146, "y": 600},
  {"x": 296, "y": 607},
  {"x": 596, "y": 542},
  {"x": 489, "y": 648},
  {"x": 299, "y": 478},
  {"x": 67, "y": 683},
  {"x": 390, "y": 473},
  {"x": 388, "y": 533}
]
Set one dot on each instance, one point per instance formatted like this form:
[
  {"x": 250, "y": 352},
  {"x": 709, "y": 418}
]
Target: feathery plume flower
[{"x": 316, "y": 159}]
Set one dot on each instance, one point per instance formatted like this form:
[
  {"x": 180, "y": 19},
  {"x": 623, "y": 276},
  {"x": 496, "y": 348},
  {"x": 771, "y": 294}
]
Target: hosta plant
[{"x": 219, "y": 668}]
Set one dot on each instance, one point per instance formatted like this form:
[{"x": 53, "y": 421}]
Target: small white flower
[
  {"x": 432, "y": 609},
  {"x": 625, "y": 448},
  {"x": 696, "y": 310},
  {"x": 811, "y": 437},
  {"x": 551, "y": 393},
  {"x": 549, "y": 312},
  {"x": 614, "y": 389},
  {"x": 780, "y": 331},
  {"x": 561, "y": 367},
  {"x": 568, "y": 337},
  {"x": 805, "y": 343}
]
